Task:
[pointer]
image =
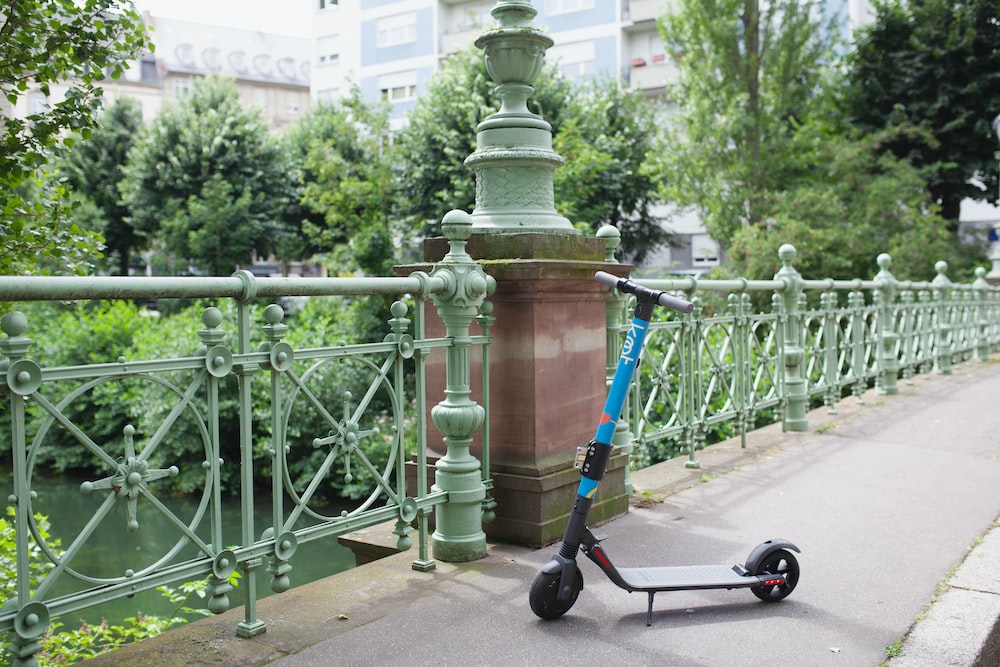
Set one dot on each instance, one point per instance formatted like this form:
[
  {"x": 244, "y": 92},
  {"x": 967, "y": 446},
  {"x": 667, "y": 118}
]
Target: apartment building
[
  {"x": 271, "y": 71},
  {"x": 390, "y": 48}
]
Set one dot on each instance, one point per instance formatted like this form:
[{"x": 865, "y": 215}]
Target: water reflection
[{"x": 111, "y": 549}]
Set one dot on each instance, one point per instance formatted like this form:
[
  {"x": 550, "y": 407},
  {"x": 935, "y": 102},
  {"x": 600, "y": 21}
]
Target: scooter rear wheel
[
  {"x": 543, "y": 595},
  {"x": 780, "y": 562}
]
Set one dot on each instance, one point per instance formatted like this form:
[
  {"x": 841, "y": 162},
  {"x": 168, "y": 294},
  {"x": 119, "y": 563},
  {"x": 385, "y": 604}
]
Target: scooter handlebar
[{"x": 656, "y": 296}]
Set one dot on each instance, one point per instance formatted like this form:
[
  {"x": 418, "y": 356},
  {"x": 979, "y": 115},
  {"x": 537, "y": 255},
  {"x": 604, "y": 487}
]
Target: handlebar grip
[{"x": 656, "y": 296}]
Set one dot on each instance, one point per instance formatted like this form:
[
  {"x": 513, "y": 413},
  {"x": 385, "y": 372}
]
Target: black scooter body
[{"x": 771, "y": 570}]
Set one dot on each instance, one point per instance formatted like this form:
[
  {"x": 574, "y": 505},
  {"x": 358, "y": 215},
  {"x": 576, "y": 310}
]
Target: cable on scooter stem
[{"x": 656, "y": 296}]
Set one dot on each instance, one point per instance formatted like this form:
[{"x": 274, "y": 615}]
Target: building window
[
  {"x": 262, "y": 64},
  {"x": 182, "y": 87},
  {"x": 185, "y": 54},
  {"x": 238, "y": 61},
  {"x": 567, "y": 6},
  {"x": 575, "y": 60},
  {"x": 328, "y": 49},
  {"x": 398, "y": 87},
  {"x": 287, "y": 68},
  {"x": 149, "y": 70},
  {"x": 704, "y": 250},
  {"x": 394, "y": 30},
  {"x": 400, "y": 93},
  {"x": 657, "y": 52},
  {"x": 212, "y": 59}
]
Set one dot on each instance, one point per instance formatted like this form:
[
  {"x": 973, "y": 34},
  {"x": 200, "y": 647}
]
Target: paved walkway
[{"x": 885, "y": 500}]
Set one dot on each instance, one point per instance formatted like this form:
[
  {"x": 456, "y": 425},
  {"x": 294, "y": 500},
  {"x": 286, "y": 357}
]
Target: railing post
[
  {"x": 459, "y": 532},
  {"x": 888, "y": 361},
  {"x": 691, "y": 335},
  {"x": 212, "y": 338},
  {"x": 943, "y": 328},
  {"x": 250, "y": 626},
  {"x": 739, "y": 308},
  {"x": 856, "y": 306},
  {"x": 795, "y": 391},
  {"x": 831, "y": 350},
  {"x": 908, "y": 335},
  {"x": 982, "y": 288},
  {"x": 21, "y": 379}
]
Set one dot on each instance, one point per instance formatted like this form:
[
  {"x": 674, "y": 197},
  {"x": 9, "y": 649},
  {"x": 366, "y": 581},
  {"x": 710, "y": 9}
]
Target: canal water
[{"x": 112, "y": 549}]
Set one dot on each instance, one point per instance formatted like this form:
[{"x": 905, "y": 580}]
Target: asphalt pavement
[{"x": 892, "y": 502}]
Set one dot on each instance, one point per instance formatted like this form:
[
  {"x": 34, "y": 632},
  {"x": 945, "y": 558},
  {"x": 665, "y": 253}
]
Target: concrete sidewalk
[{"x": 885, "y": 500}]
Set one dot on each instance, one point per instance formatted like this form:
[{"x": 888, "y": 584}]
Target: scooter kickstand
[{"x": 649, "y": 612}]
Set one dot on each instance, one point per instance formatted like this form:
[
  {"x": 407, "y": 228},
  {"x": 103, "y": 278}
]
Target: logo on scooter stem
[{"x": 630, "y": 342}]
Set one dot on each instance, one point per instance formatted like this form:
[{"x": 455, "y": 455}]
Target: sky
[{"x": 285, "y": 17}]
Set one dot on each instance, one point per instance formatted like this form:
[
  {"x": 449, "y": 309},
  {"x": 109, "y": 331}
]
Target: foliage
[
  {"x": 934, "y": 65},
  {"x": 44, "y": 45},
  {"x": 40, "y": 233},
  {"x": 94, "y": 169},
  {"x": 346, "y": 161},
  {"x": 65, "y": 647},
  {"x": 749, "y": 72},
  {"x": 846, "y": 203},
  {"x": 76, "y": 334},
  {"x": 38, "y": 566},
  {"x": 217, "y": 228},
  {"x": 203, "y": 164},
  {"x": 607, "y": 136},
  {"x": 441, "y": 133}
]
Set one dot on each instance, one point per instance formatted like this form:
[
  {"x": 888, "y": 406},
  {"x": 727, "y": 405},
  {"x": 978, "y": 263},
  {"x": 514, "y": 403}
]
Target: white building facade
[{"x": 390, "y": 48}]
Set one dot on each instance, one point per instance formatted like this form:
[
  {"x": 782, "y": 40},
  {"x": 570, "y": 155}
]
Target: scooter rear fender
[{"x": 765, "y": 549}]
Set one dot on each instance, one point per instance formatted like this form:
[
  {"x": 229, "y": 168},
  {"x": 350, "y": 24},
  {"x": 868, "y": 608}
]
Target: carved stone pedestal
[{"x": 548, "y": 379}]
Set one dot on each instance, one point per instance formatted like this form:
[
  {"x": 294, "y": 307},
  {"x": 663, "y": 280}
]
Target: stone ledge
[{"x": 962, "y": 627}]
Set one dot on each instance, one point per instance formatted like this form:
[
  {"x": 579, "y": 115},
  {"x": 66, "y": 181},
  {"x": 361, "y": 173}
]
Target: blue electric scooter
[{"x": 771, "y": 570}]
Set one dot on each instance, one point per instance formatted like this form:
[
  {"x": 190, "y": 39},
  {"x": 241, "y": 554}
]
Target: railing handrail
[{"x": 243, "y": 286}]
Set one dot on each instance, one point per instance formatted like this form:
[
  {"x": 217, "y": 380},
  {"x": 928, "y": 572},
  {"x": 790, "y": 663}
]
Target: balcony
[
  {"x": 637, "y": 12},
  {"x": 652, "y": 75}
]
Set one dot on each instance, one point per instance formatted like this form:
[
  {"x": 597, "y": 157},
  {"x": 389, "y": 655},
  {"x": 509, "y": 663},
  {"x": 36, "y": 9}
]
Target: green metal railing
[
  {"x": 721, "y": 368},
  {"x": 393, "y": 372},
  {"x": 714, "y": 371}
]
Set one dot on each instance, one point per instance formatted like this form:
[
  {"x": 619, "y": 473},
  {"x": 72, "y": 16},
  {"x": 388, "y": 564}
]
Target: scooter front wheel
[
  {"x": 544, "y": 591},
  {"x": 783, "y": 563}
]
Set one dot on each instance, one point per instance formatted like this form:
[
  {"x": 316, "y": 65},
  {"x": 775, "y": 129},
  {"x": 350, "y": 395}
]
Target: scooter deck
[{"x": 687, "y": 577}]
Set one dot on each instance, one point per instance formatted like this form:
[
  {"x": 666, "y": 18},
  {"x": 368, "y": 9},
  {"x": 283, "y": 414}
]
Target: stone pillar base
[
  {"x": 533, "y": 510},
  {"x": 548, "y": 378}
]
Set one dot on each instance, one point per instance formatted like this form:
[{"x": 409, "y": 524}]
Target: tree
[
  {"x": 344, "y": 159},
  {"x": 934, "y": 66},
  {"x": 41, "y": 44},
  {"x": 607, "y": 135},
  {"x": 95, "y": 167},
  {"x": 848, "y": 202},
  {"x": 199, "y": 162},
  {"x": 749, "y": 72}
]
